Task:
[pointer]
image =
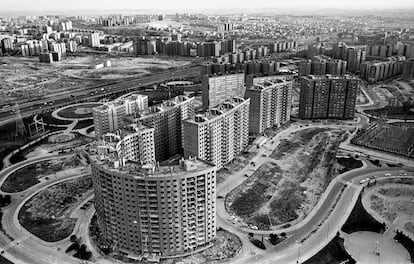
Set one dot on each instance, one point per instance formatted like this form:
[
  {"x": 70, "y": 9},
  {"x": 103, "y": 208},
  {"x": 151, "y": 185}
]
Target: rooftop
[
  {"x": 164, "y": 106},
  {"x": 141, "y": 171},
  {"x": 330, "y": 77},
  {"x": 217, "y": 111}
]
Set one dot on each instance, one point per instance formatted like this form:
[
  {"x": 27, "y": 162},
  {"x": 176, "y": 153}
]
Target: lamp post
[{"x": 299, "y": 245}]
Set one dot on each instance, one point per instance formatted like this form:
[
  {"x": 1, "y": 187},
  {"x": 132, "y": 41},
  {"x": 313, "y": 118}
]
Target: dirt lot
[
  {"x": 121, "y": 67},
  {"x": 27, "y": 78},
  {"x": 287, "y": 187},
  {"x": 47, "y": 214},
  {"x": 30, "y": 175}
]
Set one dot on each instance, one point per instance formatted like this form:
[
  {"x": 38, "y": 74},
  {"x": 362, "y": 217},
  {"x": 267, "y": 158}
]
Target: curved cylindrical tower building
[{"x": 153, "y": 209}]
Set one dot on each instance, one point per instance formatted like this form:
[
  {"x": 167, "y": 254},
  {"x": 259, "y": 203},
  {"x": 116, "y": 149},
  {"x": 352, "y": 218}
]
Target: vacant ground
[
  {"x": 121, "y": 66},
  {"x": 47, "y": 214},
  {"x": 287, "y": 187},
  {"x": 30, "y": 175},
  {"x": 392, "y": 203},
  {"x": 27, "y": 78}
]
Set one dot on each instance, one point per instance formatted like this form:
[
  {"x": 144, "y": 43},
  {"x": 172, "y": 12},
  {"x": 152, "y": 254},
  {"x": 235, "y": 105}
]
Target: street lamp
[{"x": 299, "y": 245}]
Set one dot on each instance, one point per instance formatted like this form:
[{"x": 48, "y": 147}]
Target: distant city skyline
[{"x": 168, "y": 5}]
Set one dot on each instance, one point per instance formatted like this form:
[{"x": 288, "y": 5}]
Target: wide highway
[{"x": 94, "y": 93}]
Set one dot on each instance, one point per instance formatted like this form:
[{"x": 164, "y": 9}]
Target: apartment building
[
  {"x": 152, "y": 209},
  {"x": 109, "y": 117},
  {"x": 219, "y": 134},
  {"x": 328, "y": 96},
  {"x": 270, "y": 104},
  {"x": 217, "y": 89},
  {"x": 166, "y": 118}
]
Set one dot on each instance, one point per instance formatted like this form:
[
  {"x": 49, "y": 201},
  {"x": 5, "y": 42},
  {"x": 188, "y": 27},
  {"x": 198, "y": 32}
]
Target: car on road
[
  {"x": 364, "y": 180},
  {"x": 387, "y": 174},
  {"x": 403, "y": 173}
]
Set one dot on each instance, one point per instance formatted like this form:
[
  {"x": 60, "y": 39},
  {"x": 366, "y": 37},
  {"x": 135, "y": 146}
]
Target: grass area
[
  {"x": 333, "y": 253},
  {"x": 49, "y": 119},
  {"x": 348, "y": 164},
  {"x": 83, "y": 123},
  {"x": 69, "y": 112},
  {"x": 253, "y": 198},
  {"x": 29, "y": 175},
  {"x": 361, "y": 220},
  {"x": 397, "y": 192},
  {"x": 47, "y": 214},
  {"x": 409, "y": 226},
  {"x": 288, "y": 201},
  {"x": 377, "y": 204}
]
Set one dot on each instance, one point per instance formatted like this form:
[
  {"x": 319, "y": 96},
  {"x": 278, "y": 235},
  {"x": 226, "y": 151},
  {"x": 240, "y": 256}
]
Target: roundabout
[{"x": 75, "y": 112}]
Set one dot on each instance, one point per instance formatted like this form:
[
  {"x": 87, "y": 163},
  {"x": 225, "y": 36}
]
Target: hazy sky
[{"x": 38, "y": 5}]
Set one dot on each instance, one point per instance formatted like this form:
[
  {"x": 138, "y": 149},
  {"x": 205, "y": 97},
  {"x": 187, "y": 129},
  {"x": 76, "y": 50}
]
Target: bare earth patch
[
  {"x": 288, "y": 186},
  {"x": 47, "y": 214}
]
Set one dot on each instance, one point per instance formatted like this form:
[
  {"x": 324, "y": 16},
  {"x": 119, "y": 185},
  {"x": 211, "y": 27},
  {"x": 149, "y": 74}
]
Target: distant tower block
[{"x": 20, "y": 128}]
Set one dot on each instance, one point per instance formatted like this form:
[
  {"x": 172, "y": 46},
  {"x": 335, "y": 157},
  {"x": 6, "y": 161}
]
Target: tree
[
  {"x": 251, "y": 234},
  {"x": 73, "y": 238}
]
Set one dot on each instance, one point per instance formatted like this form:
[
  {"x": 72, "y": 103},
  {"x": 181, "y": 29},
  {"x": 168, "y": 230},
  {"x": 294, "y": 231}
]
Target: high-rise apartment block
[
  {"x": 328, "y": 97},
  {"x": 225, "y": 27},
  {"x": 322, "y": 65},
  {"x": 354, "y": 55},
  {"x": 144, "y": 46},
  {"x": 7, "y": 45},
  {"x": 217, "y": 89},
  {"x": 151, "y": 209},
  {"x": 408, "y": 71},
  {"x": 93, "y": 40},
  {"x": 219, "y": 134},
  {"x": 166, "y": 118},
  {"x": 270, "y": 104},
  {"x": 374, "y": 71},
  {"x": 109, "y": 117}
]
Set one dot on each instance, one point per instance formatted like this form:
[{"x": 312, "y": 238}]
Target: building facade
[
  {"x": 328, "y": 97},
  {"x": 408, "y": 69},
  {"x": 217, "y": 89},
  {"x": 374, "y": 71},
  {"x": 109, "y": 117},
  {"x": 153, "y": 209},
  {"x": 219, "y": 134},
  {"x": 270, "y": 104},
  {"x": 167, "y": 120},
  {"x": 322, "y": 66}
]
